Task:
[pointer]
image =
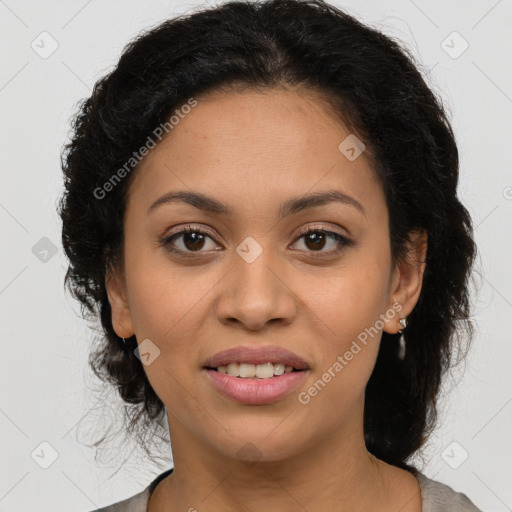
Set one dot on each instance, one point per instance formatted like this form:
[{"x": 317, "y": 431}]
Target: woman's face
[{"x": 252, "y": 279}]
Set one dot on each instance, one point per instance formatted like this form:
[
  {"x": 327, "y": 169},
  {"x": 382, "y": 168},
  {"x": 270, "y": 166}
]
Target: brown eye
[
  {"x": 188, "y": 240},
  {"x": 193, "y": 241},
  {"x": 315, "y": 240}
]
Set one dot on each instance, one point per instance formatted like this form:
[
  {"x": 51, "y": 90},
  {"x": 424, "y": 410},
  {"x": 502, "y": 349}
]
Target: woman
[{"x": 261, "y": 208}]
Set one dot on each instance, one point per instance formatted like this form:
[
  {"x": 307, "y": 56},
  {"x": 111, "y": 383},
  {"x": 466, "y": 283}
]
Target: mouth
[
  {"x": 251, "y": 361},
  {"x": 256, "y": 374},
  {"x": 254, "y": 371},
  {"x": 257, "y": 389}
]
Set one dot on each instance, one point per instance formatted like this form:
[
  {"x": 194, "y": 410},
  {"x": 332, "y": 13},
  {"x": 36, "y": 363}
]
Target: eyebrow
[{"x": 289, "y": 207}]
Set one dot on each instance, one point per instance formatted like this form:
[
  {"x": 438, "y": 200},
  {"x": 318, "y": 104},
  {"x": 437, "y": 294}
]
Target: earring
[
  {"x": 401, "y": 341},
  {"x": 124, "y": 341}
]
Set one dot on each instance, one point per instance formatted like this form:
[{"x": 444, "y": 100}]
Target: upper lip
[{"x": 256, "y": 355}]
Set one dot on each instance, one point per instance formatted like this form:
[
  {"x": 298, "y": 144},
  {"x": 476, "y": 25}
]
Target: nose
[{"x": 256, "y": 294}]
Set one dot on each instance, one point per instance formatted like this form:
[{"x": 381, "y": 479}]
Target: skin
[{"x": 253, "y": 151}]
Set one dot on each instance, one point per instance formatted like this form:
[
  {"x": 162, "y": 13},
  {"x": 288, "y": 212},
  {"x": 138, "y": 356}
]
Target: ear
[
  {"x": 407, "y": 279},
  {"x": 117, "y": 297}
]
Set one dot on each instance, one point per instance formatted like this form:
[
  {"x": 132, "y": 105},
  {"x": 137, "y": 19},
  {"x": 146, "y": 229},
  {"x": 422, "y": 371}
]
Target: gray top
[{"x": 436, "y": 497}]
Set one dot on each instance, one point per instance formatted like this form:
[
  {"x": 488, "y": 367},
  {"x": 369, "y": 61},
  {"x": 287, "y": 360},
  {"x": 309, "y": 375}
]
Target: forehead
[{"x": 254, "y": 148}]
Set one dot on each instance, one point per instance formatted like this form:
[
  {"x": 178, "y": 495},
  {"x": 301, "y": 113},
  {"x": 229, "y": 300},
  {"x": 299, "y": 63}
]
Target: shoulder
[
  {"x": 439, "y": 497},
  {"x": 138, "y": 502},
  {"x": 436, "y": 497}
]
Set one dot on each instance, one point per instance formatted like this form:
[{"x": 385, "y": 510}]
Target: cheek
[
  {"x": 165, "y": 306},
  {"x": 349, "y": 299},
  {"x": 164, "y": 298},
  {"x": 348, "y": 306}
]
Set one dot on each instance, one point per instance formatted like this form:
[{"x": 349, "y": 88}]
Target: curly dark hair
[{"x": 374, "y": 86}]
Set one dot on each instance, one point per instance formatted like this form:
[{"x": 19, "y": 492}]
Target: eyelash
[{"x": 342, "y": 241}]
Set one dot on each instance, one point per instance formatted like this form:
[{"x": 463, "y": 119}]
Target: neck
[{"x": 336, "y": 473}]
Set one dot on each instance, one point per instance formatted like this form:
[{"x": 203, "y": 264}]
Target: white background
[{"x": 45, "y": 381}]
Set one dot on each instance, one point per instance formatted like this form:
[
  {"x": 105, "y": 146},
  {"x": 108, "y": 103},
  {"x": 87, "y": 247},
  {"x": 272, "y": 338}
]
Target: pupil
[
  {"x": 315, "y": 238},
  {"x": 193, "y": 240}
]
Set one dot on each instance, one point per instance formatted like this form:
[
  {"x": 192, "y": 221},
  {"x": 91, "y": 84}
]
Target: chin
[{"x": 264, "y": 444}]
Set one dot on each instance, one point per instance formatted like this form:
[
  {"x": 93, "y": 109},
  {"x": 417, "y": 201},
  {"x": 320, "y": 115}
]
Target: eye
[
  {"x": 315, "y": 239},
  {"x": 192, "y": 240}
]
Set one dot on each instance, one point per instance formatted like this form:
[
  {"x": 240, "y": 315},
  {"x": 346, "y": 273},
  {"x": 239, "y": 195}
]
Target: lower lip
[{"x": 254, "y": 391}]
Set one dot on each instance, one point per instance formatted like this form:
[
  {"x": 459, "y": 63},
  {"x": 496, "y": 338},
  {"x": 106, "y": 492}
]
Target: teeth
[{"x": 261, "y": 371}]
